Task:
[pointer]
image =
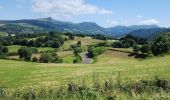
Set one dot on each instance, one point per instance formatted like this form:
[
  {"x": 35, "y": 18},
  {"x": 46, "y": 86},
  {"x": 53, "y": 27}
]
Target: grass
[
  {"x": 14, "y": 48},
  {"x": 67, "y": 56},
  {"x": 19, "y": 74},
  {"x": 16, "y": 74},
  {"x": 85, "y": 41}
]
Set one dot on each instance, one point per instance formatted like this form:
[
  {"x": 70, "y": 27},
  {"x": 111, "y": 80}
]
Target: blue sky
[{"x": 106, "y": 13}]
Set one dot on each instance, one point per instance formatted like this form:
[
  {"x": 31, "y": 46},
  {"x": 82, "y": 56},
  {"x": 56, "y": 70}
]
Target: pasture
[{"x": 19, "y": 74}]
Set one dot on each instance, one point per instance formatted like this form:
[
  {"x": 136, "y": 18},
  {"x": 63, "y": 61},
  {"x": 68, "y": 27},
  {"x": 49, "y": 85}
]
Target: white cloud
[
  {"x": 139, "y": 16},
  {"x": 149, "y": 22},
  {"x": 66, "y": 8}
]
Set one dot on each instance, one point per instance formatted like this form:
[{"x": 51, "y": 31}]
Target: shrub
[
  {"x": 77, "y": 50},
  {"x": 145, "y": 49},
  {"x": 50, "y": 58},
  {"x": 79, "y": 43},
  {"x": 25, "y": 53},
  {"x": 162, "y": 44},
  {"x": 78, "y": 59},
  {"x": 3, "y": 51},
  {"x": 35, "y": 59},
  {"x": 136, "y": 48},
  {"x": 46, "y": 58}
]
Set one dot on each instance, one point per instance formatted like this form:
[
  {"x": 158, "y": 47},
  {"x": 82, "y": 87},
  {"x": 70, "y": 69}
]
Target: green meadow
[
  {"x": 19, "y": 74},
  {"x": 114, "y": 75}
]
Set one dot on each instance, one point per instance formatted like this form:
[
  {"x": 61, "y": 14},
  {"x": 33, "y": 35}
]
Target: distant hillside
[
  {"x": 149, "y": 33},
  {"x": 49, "y": 24},
  {"x": 123, "y": 30}
]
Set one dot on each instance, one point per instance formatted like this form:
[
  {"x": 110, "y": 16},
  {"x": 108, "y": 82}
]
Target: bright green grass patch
[
  {"x": 68, "y": 59},
  {"x": 43, "y": 49},
  {"x": 18, "y": 74},
  {"x": 85, "y": 41},
  {"x": 15, "y": 48}
]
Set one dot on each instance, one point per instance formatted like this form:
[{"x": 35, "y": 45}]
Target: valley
[{"x": 108, "y": 63}]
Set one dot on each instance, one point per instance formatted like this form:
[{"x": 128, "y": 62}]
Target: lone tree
[
  {"x": 46, "y": 58},
  {"x": 145, "y": 49},
  {"x": 136, "y": 48},
  {"x": 25, "y": 53},
  {"x": 50, "y": 58},
  {"x": 3, "y": 51},
  {"x": 162, "y": 44},
  {"x": 79, "y": 43}
]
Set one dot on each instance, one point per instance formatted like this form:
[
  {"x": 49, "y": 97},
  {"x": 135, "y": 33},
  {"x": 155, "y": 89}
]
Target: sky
[{"x": 106, "y": 13}]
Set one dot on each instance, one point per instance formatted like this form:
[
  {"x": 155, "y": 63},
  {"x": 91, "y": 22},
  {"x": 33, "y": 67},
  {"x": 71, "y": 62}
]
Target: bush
[
  {"x": 145, "y": 49},
  {"x": 78, "y": 59},
  {"x": 79, "y": 43},
  {"x": 77, "y": 50},
  {"x": 34, "y": 50},
  {"x": 46, "y": 58},
  {"x": 25, "y": 53},
  {"x": 50, "y": 58},
  {"x": 136, "y": 48},
  {"x": 161, "y": 45},
  {"x": 3, "y": 51},
  {"x": 35, "y": 59}
]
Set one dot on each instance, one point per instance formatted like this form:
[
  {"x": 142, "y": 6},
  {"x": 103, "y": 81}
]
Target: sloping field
[{"x": 18, "y": 74}]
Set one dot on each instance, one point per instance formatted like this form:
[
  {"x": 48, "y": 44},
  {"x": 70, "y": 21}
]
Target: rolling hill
[
  {"x": 149, "y": 33},
  {"x": 49, "y": 24}
]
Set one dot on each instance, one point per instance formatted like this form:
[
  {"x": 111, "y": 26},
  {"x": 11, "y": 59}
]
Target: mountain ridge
[{"x": 50, "y": 24}]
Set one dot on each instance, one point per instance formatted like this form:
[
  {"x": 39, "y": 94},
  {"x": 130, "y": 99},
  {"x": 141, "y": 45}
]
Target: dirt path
[{"x": 85, "y": 58}]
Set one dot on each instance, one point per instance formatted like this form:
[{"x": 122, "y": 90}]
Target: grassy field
[
  {"x": 16, "y": 74},
  {"x": 85, "y": 41},
  {"x": 24, "y": 75},
  {"x": 19, "y": 74},
  {"x": 14, "y": 48},
  {"x": 67, "y": 56}
]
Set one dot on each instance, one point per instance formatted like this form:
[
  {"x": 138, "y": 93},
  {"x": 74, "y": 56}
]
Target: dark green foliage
[
  {"x": 52, "y": 39},
  {"x": 50, "y": 58},
  {"x": 104, "y": 44},
  {"x": 46, "y": 58},
  {"x": 161, "y": 45},
  {"x": 78, "y": 59},
  {"x": 145, "y": 49},
  {"x": 136, "y": 48},
  {"x": 140, "y": 41},
  {"x": 25, "y": 53},
  {"x": 3, "y": 51},
  {"x": 99, "y": 36},
  {"x": 77, "y": 50},
  {"x": 129, "y": 41},
  {"x": 79, "y": 43},
  {"x": 34, "y": 50},
  {"x": 70, "y": 36},
  {"x": 56, "y": 44},
  {"x": 35, "y": 59}
]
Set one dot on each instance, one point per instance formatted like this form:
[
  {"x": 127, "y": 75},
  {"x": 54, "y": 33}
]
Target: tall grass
[{"x": 110, "y": 89}]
